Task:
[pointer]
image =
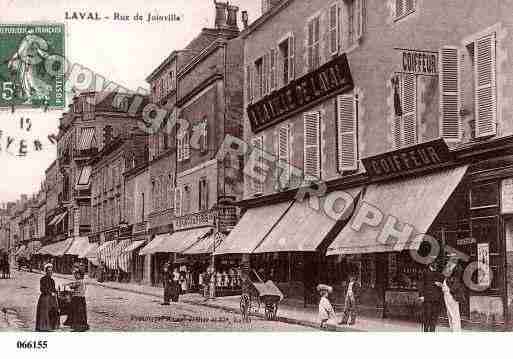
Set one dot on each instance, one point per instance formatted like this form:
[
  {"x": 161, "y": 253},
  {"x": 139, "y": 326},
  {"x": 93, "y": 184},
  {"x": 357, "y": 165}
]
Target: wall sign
[
  {"x": 507, "y": 195},
  {"x": 406, "y": 159},
  {"x": 331, "y": 78},
  {"x": 419, "y": 62},
  {"x": 194, "y": 220}
]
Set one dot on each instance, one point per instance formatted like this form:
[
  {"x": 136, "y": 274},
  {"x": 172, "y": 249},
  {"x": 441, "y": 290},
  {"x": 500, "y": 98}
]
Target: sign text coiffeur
[
  {"x": 406, "y": 159},
  {"x": 333, "y": 77}
]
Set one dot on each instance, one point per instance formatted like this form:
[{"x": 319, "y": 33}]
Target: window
[
  {"x": 258, "y": 145},
  {"x": 484, "y": 195},
  {"x": 483, "y": 54},
  {"x": 313, "y": 43},
  {"x": 355, "y": 21},
  {"x": 178, "y": 201},
  {"x": 405, "y": 105},
  {"x": 284, "y": 156},
  {"x": 286, "y": 52},
  {"x": 183, "y": 144},
  {"x": 171, "y": 79},
  {"x": 259, "y": 77},
  {"x": 203, "y": 194},
  {"x": 272, "y": 70},
  {"x": 404, "y": 8},
  {"x": 186, "y": 202},
  {"x": 249, "y": 84},
  {"x": 203, "y": 141},
  {"x": 333, "y": 29},
  {"x": 347, "y": 132},
  {"x": 88, "y": 103},
  {"x": 312, "y": 163}
]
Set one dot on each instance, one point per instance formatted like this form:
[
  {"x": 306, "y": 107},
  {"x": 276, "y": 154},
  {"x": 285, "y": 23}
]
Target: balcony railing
[
  {"x": 82, "y": 193},
  {"x": 85, "y": 154}
]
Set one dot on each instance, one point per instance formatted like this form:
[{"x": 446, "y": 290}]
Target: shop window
[
  {"x": 403, "y": 271},
  {"x": 313, "y": 44},
  {"x": 487, "y": 251},
  {"x": 484, "y": 195}
]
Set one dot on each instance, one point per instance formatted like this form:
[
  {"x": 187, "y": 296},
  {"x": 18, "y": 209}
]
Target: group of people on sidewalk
[
  {"x": 50, "y": 307},
  {"x": 437, "y": 289},
  {"x": 173, "y": 284}
]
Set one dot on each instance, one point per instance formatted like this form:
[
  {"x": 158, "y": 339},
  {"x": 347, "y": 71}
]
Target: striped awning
[
  {"x": 123, "y": 258},
  {"x": 91, "y": 252},
  {"x": 57, "y": 219},
  {"x": 85, "y": 175},
  {"x": 206, "y": 245},
  {"x": 133, "y": 246},
  {"x": 176, "y": 242},
  {"x": 57, "y": 249},
  {"x": 86, "y": 138},
  {"x": 104, "y": 251}
]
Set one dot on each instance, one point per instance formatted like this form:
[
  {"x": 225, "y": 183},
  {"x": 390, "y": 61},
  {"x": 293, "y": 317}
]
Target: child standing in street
[{"x": 326, "y": 311}]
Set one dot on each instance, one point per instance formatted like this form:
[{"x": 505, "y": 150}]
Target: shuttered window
[
  {"x": 449, "y": 82},
  {"x": 178, "y": 201},
  {"x": 249, "y": 85},
  {"x": 183, "y": 146},
  {"x": 359, "y": 19},
  {"x": 272, "y": 70},
  {"x": 347, "y": 132},
  {"x": 203, "y": 194},
  {"x": 312, "y": 163},
  {"x": 409, "y": 110},
  {"x": 284, "y": 155},
  {"x": 265, "y": 74},
  {"x": 313, "y": 50},
  {"x": 258, "y": 146},
  {"x": 333, "y": 29},
  {"x": 485, "y": 86},
  {"x": 404, "y": 7},
  {"x": 291, "y": 58}
]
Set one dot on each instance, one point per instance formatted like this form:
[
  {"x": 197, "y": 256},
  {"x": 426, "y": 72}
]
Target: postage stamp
[{"x": 27, "y": 75}]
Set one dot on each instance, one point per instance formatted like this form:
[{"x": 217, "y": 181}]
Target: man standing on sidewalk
[
  {"x": 431, "y": 297},
  {"x": 351, "y": 301}
]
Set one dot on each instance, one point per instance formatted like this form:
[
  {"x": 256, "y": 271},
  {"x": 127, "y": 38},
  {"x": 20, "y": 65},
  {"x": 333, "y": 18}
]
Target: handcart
[
  {"x": 64, "y": 301},
  {"x": 256, "y": 293}
]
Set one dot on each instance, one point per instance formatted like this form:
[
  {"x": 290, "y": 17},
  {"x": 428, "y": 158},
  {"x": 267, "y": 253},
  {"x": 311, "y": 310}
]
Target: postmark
[{"x": 26, "y": 51}]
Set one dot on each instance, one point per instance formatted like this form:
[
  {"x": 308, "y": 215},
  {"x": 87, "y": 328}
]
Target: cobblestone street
[{"x": 114, "y": 310}]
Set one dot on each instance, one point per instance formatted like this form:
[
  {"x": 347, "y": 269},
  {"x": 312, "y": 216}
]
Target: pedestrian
[
  {"x": 431, "y": 297},
  {"x": 175, "y": 286},
  {"x": 453, "y": 293},
  {"x": 326, "y": 311},
  {"x": 78, "y": 320},
  {"x": 47, "y": 313},
  {"x": 351, "y": 301},
  {"x": 166, "y": 282}
]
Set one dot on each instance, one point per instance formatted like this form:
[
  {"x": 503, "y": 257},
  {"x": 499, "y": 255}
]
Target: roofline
[
  {"x": 172, "y": 56},
  {"x": 262, "y": 19}
]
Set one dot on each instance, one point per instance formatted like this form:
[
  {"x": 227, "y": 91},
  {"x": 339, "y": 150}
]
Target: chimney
[
  {"x": 245, "y": 19},
  {"x": 232, "y": 17},
  {"x": 221, "y": 16}
]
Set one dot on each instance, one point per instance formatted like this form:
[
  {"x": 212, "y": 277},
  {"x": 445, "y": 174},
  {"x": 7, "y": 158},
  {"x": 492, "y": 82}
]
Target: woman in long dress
[
  {"x": 47, "y": 314},
  {"x": 78, "y": 317},
  {"x": 453, "y": 296}
]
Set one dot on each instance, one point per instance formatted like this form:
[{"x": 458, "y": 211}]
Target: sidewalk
[{"x": 286, "y": 313}]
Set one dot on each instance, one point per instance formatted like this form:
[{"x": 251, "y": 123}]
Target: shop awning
[
  {"x": 155, "y": 242},
  {"x": 57, "y": 219},
  {"x": 104, "y": 251},
  {"x": 57, "y": 249},
  {"x": 205, "y": 245},
  {"x": 416, "y": 202},
  {"x": 91, "y": 251},
  {"x": 178, "y": 242},
  {"x": 79, "y": 247},
  {"x": 252, "y": 228},
  {"x": 32, "y": 248},
  {"x": 86, "y": 138},
  {"x": 133, "y": 246},
  {"x": 114, "y": 254},
  {"x": 303, "y": 228}
]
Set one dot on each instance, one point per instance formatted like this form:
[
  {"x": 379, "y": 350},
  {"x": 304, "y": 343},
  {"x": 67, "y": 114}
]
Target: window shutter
[
  {"x": 258, "y": 145},
  {"x": 409, "y": 110},
  {"x": 186, "y": 146},
  {"x": 249, "y": 86},
  {"x": 333, "y": 29},
  {"x": 272, "y": 70},
  {"x": 359, "y": 18},
  {"x": 284, "y": 154},
  {"x": 265, "y": 73},
  {"x": 485, "y": 97},
  {"x": 449, "y": 79},
  {"x": 178, "y": 201},
  {"x": 399, "y": 8},
  {"x": 311, "y": 144},
  {"x": 291, "y": 58},
  {"x": 397, "y": 132},
  {"x": 179, "y": 147},
  {"x": 347, "y": 133}
]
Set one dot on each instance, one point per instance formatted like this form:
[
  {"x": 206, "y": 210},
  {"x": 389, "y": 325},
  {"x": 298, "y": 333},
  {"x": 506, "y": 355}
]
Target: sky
[{"x": 125, "y": 52}]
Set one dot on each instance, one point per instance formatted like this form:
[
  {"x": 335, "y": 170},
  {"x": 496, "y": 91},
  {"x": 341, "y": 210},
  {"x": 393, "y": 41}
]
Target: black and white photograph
[{"x": 322, "y": 168}]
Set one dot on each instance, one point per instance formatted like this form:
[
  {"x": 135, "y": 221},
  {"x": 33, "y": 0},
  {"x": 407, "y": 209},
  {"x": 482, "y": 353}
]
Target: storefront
[
  {"x": 462, "y": 203},
  {"x": 55, "y": 253}
]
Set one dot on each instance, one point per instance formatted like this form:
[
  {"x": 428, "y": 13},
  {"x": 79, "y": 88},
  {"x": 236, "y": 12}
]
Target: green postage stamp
[{"x": 31, "y": 71}]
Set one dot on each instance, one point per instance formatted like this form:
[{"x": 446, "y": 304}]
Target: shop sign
[
  {"x": 194, "y": 220},
  {"x": 416, "y": 157},
  {"x": 419, "y": 62},
  {"x": 465, "y": 241},
  {"x": 483, "y": 258},
  {"x": 507, "y": 195},
  {"x": 331, "y": 78},
  {"x": 227, "y": 215}
]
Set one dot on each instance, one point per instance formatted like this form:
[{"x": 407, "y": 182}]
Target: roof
[{"x": 266, "y": 16}]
